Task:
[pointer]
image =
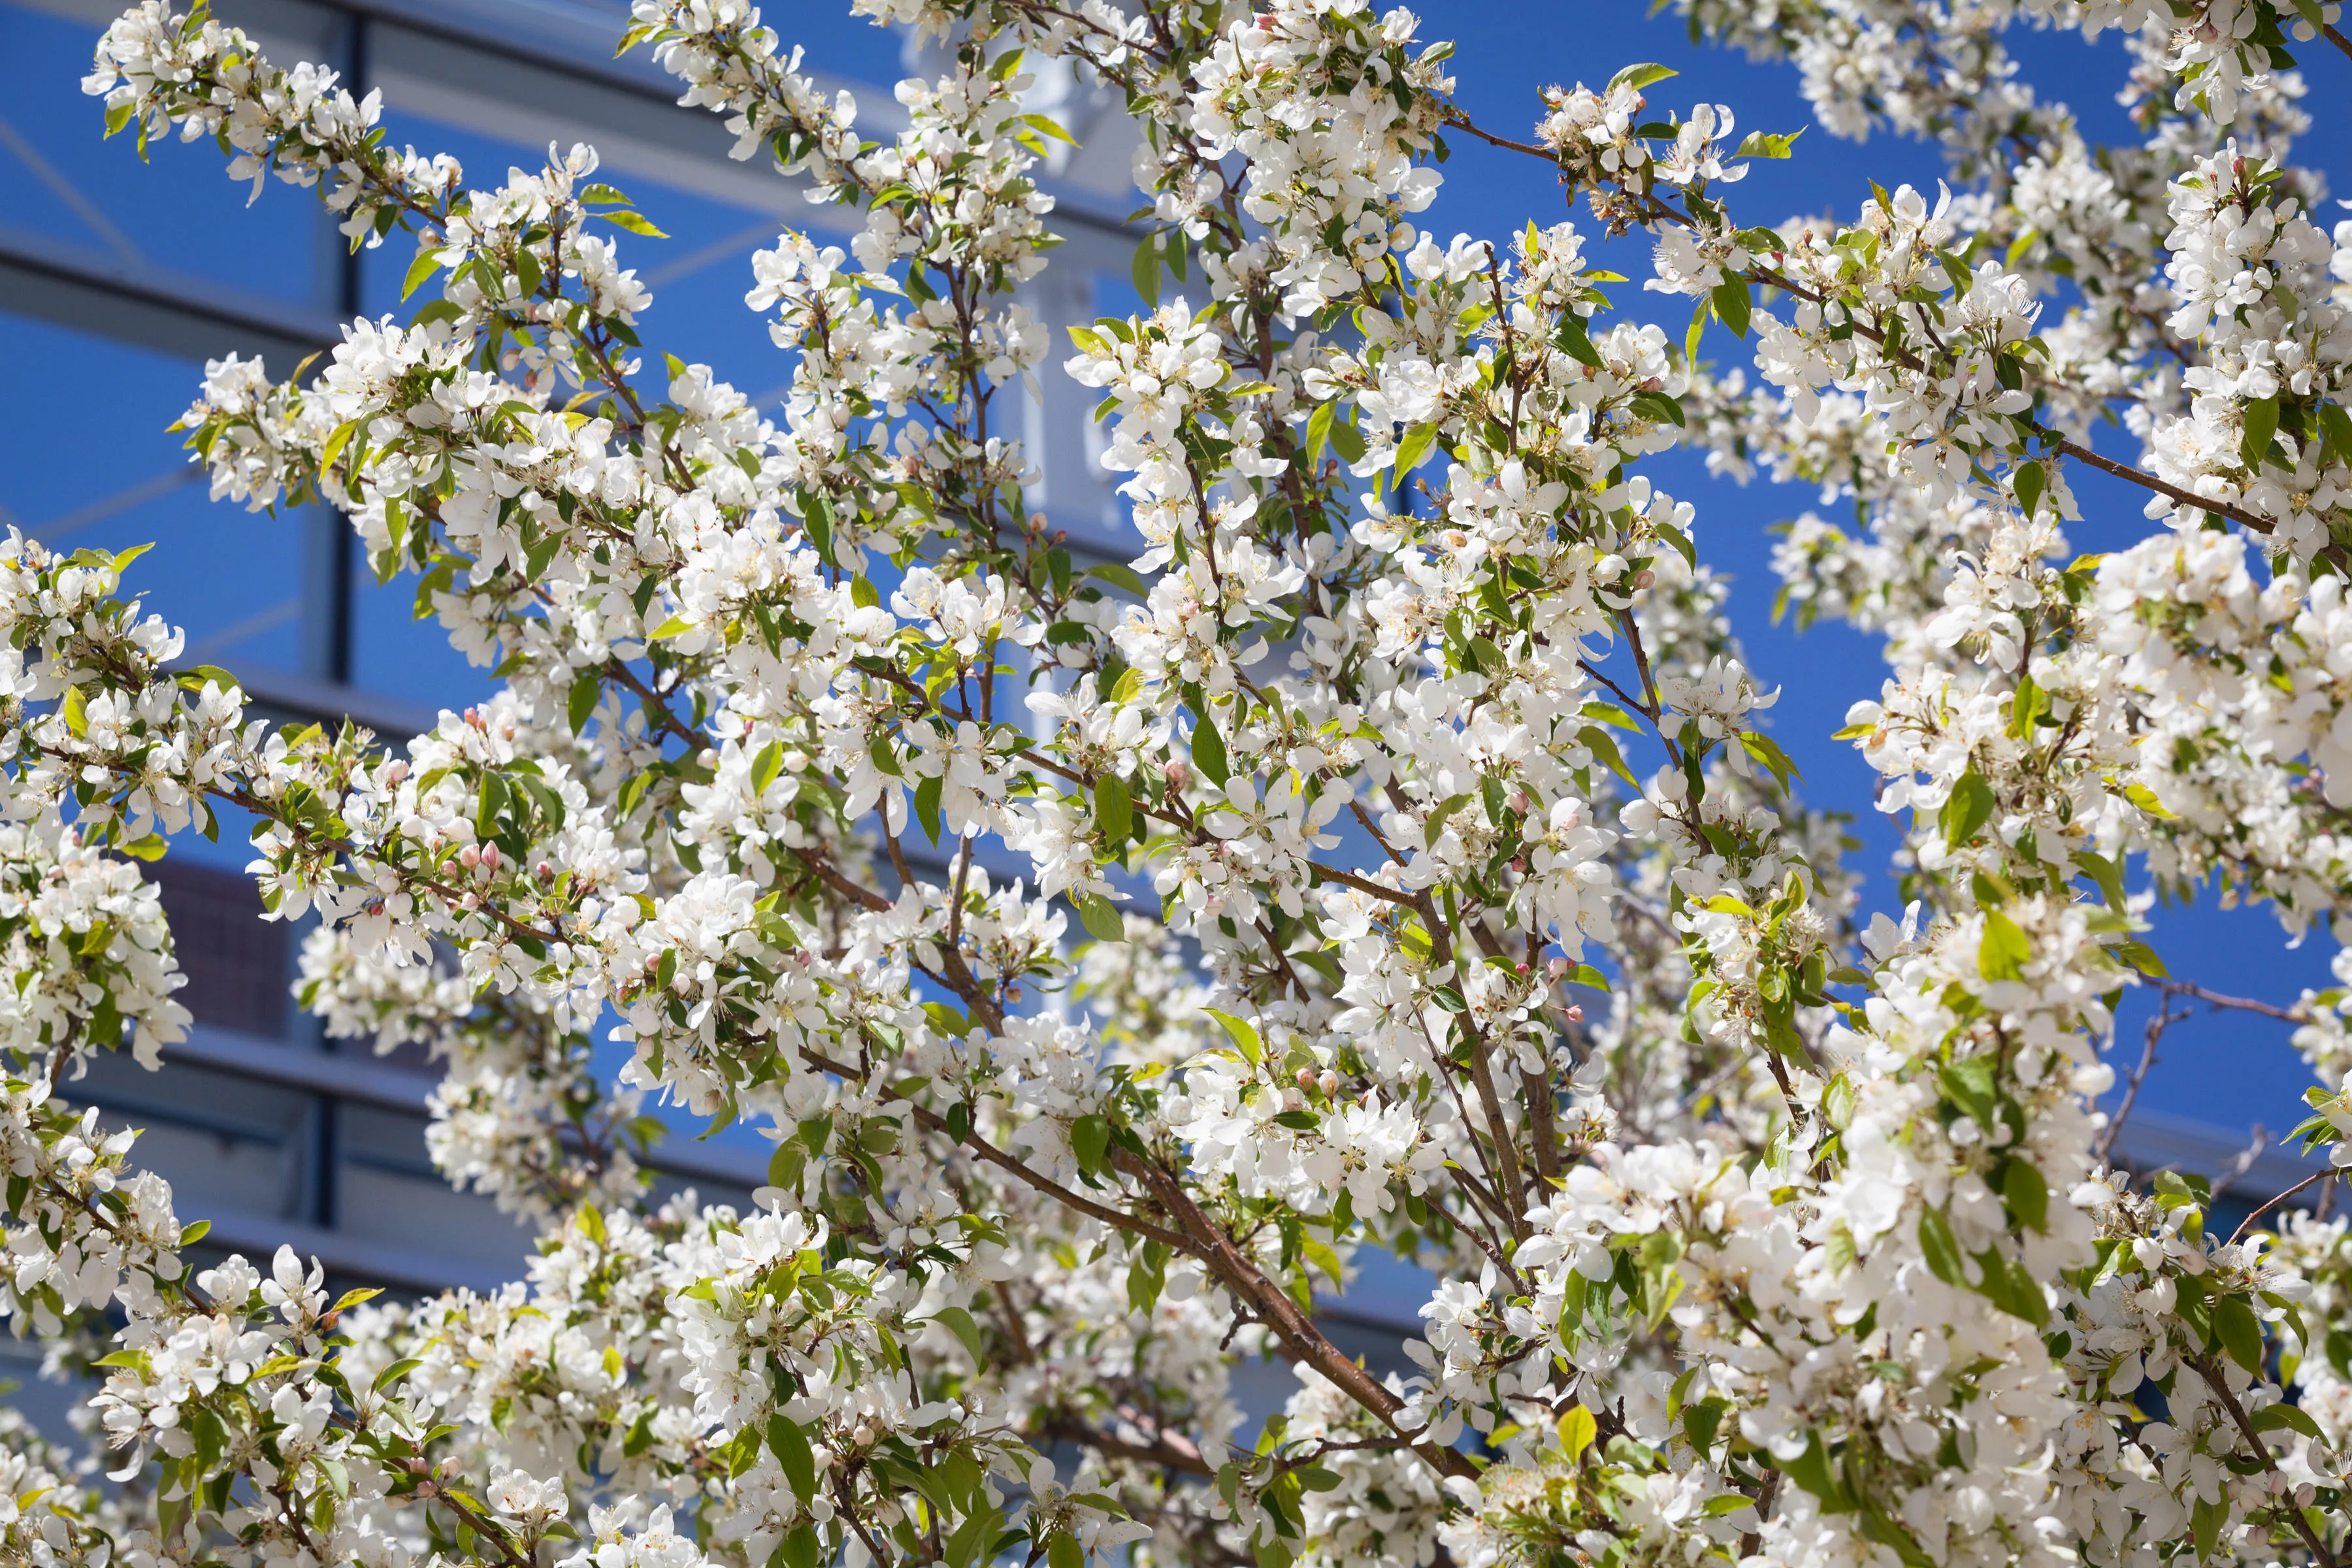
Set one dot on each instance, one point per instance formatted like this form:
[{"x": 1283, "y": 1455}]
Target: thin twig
[
  {"x": 2241, "y": 1003},
  {"x": 2259, "y": 1209},
  {"x": 2164, "y": 1018}
]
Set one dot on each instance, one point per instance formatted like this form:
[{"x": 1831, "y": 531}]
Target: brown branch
[
  {"x": 1289, "y": 1322},
  {"x": 2265, "y": 1207},
  {"x": 2242, "y": 1003},
  {"x": 1460, "y": 121},
  {"x": 2149, "y": 481},
  {"x": 933, "y": 1122},
  {"x": 1167, "y": 1449},
  {"x": 2163, "y": 1020},
  {"x": 2220, "y": 1384}
]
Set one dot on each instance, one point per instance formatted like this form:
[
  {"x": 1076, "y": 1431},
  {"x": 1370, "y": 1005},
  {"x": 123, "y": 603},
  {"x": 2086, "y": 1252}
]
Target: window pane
[
  {"x": 179, "y": 211},
  {"x": 112, "y": 476}
]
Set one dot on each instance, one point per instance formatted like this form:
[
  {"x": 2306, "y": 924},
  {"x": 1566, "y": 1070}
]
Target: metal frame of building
[{"x": 535, "y": 72}]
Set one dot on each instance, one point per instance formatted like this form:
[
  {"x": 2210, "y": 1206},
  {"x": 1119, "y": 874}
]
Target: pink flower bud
[{"x": 1574, "y": 1015}]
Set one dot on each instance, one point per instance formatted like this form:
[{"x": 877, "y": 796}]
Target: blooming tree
[{"x": 1388, "y": 856}]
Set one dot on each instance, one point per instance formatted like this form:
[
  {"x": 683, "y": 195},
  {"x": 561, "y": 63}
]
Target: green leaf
[
  {"x": 1657, "y": 408},
  {"x": 582, "y": 704},
  {"x": 2142, "y": 957},
  {"x": 2337, "y": 426},
  {"x": 2140, "y": 796},
  {"x": 1765, "y": 750},
  {"x": 1680, "y": 541},
  {"x": 635, "y": 223},
  {"x": 2238, "y": 1331},
  {"x": 1090, "y": 1140},
  {"x": 791, "y": 1447},
  {"x": 927, "y": 807},
  {"x": 2287, "y": 1417},
  {"x": 1413, "y": 448},
  {"x": 2262, "y": 417},
  {"x": 1245, "y": 1035},
  {"x": 1209, "y": 752},
  {"x": 1433, "y": 827},
  {"x": 1941, "y": 1250},
  {"x": 1811, "y": 1470},
  {"x": 336, "y": 441},
  {"x": 1731, "y": 304},
  {"x": 2205, "y": 1522},
  {"x": 428, "y": 262},
  {"x": 1114, "y": 814},
  {"x": 393, "y": 1374},
  {"x": 766, "y": 766},
  {"x": 1968, "y": 808},
  {"x": 2028, "y": 481},
  {"x": 1767, "y": 144},
  {"x": 1146, "y": 270},
  {"x": 2003, "y": 951},
  {"x": 1577, "y": 1430},
  {"x": 1603, "y": 746},
  {"x": 2027, "y": 1194},
  {"x": 1121, "y": 576},
  {"x": 1348, "y": 441},
  {"x": 1100, "y": 917},
  {"x": 959, "y": 1322},
  {"x": 1063, "y": 1550},
  {"x": 1640, "y": 76},
  {"x": 1319, "y": 429}
]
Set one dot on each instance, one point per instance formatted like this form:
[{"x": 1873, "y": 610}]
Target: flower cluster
[{"x": 1094, "y": 1033}]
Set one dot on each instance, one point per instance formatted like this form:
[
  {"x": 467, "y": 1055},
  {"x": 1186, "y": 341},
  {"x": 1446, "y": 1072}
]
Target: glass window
[
  {"x": 63, "y": 182},
  {"x": 231, "y": 578}
]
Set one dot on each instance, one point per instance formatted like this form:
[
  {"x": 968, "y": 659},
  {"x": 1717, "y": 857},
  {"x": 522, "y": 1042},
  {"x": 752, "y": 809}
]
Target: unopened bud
[
  {"x": 1306, "y": 1078},
  {"x": 1644, "y": 578},
  {"x": 1574, "y": 1015}
]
